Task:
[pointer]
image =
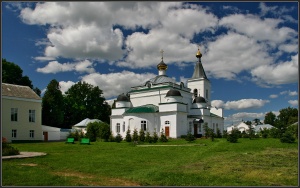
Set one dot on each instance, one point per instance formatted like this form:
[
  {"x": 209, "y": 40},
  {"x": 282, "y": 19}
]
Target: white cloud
[
  {"x": 39, "y": 58},
  {"x": 276, "y": 74},
  {"x": 55, "y": 67},
  {"x": 293, "y": 102},
  {"x": 260, "y": 29},
  {"x": 113, "y": 84},
  {"x": 233, "y": 53},
  {"x": 64, "y": 86},
  {"x": 240, "y": 104},
  {"x": 273, "y": 96}
]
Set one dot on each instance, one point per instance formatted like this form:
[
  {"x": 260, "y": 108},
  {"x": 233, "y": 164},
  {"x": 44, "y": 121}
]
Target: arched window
[
  {"x": 144, "y": 125},
  {"x": 195, "y": 92},
  {"x": 118, "y": 128}
]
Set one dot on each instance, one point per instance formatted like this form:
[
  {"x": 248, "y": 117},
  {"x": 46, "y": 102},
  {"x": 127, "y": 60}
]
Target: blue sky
[{"x": 250, "y": 49}]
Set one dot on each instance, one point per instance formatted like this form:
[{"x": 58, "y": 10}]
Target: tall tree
[
  {"x": 288, "y": 116},
  {"x": 13, "y": 74},
  {"x": 52, "y": 105},
  {"x": 82, "y": 101},
  {"x": 270, "y": 118}
]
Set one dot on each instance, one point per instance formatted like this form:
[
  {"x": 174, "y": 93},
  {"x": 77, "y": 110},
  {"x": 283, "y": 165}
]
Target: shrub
[
  {"x": 190, "y": 137},
  {"x": 163, "y": 137},
  {"x": 148, "y": 137},
  {"x": 218, "y": 135},
  {"x": 155, "y": 137},
  {"x": 274, "y": 132},
  {"x": 264, "y": 132},
  {"x": 8, "y": 149},
  {"x": 93, "y": 131},
  {"x": 287, "y": 137},
  {"x": 118, "y": 138},
  {"x": 75, "y": 135},
  {"x": 225, "y": 134},
  {"x": 142, "y": 135},
  {"x": 111, "y": 138},
  {"x": 128, "y": 136},
  {"x": 135, "y": 136},
  {"x": 183, "y": 136},
  {"x": 233, "y": 136}
]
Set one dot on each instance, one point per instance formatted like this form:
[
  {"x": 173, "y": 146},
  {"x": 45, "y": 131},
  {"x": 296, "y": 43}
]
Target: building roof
[
  {"x": 18, "y": 91},
  {"x": 123, "y": 97},
  {"x": 199, "y": 100},
  {"x": 173, "y": 92},
  {"x": 160, "y": 79},
  {"x": 148, "y": 108},
  {"x": 199, "y": 71}
]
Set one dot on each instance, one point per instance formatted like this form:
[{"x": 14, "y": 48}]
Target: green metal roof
[{"x": 148, "y": 108}]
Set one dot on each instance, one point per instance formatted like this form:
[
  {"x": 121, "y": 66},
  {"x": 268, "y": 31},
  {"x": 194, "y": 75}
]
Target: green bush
[
  {"x": 99, "y": 130},
  {"x": 135, "y": 136},
  {"x": 111, "y": 138},
  {"x": 155, "y": 136},
  {"x": 128, "y": 136},
  {"x": 148, "y": 137},
  {"x": 225, "y": 134},
  {"x": 76, "y": 135},
  {"x": 8, "y": 149},
  {"x": 118, "y": 138},
  {"x": 287, "y": 137},
  {"x": 163, "y": 137},
  {"x": 218, "y": 135},
  {"x": 142, "y": 135},
  {"x": 190, "y": 137},
  {"x": 233, "y": 136},
  {"x": 274, "y": 132}
]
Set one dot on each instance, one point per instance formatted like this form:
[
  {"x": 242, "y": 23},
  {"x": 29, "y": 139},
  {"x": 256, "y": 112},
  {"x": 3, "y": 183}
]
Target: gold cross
[{"x": 162, "y": 53}]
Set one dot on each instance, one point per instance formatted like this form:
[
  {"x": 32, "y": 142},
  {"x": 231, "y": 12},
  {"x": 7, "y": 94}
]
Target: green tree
[
  {"x": 104, "y": 131},
  {"x": 82, "y": 101},
  {"x": 286, "y": 117},
  {"x": 209, "y": 133},
  {"x": 218, "y": 134},
  {"x": 52, "y": 105},
  {"x": 148, "y": 137},
  {"x": 270, "y": 118},
  {"x": 135, "y": 136},
  {"x": 251, "y": 132},
  {"x": 128, "y": 136},
  {"x": 93, "y": 130},
  {"x": 155, "y": 136},
  {"x": 142, "y": 135},
  {"x": 233, "y": 136},
  {"x": 13, "y": 74},
  {"x": 118, "y": 138},
  {"x": 190, "y": 137}
]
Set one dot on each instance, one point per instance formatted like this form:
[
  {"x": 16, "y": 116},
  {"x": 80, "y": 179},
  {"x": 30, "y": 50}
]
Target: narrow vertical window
[
  {"x": 14, "y": 114},
  {"x": 14, "y": 133},
  {"x": 31, "y": 133},
  {"x": 144, "y": 125},
  {"x": 206, "y": 94},
  {"x": 123, "y": 126},
  {"x": 118, "y": 128},
  {"x": 31, "y": 115},
  {"x": 190, "y": 127},
  {"x": 195, "y": 92}
]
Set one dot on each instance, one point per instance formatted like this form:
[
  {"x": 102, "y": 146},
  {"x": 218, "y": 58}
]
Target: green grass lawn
[{"x": 259, "y": 162}]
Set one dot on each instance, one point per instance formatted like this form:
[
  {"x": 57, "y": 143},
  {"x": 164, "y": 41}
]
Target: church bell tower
[{"x": 199, "y": 83}]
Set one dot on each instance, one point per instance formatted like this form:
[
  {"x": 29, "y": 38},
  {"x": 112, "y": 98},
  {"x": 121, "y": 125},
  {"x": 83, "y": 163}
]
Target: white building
[
  {"x": 21, "y": 114},
  {"x": 162, "y": 104}
]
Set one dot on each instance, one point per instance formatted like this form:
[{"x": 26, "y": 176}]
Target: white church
[{"x": 161, "y": 104}]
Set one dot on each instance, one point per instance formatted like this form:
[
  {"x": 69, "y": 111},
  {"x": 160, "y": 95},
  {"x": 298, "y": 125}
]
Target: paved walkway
[{"x": 24, "y": 154}]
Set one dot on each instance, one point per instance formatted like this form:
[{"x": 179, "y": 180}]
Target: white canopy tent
[{"x": 83, "y": 124}]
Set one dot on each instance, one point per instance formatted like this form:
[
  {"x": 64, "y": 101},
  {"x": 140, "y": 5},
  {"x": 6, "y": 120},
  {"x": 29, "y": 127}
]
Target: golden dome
[
  {"x": 162, "y": 66},
  {"x": 198, "y": 55}
]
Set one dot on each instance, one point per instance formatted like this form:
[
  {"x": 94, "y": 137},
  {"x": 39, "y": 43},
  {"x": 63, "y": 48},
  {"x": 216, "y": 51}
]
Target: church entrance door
[
  {"x": 195, "y": 129},
  {"x": 167, "y": 131}
]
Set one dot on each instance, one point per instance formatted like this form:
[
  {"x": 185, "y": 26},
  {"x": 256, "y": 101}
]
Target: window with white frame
[
  {"x": 31, "y": 115},
  {"x": 123, "y": 126},
  {"x": 31, "y": 133},
  {"x": 167, "y": 122},
  {"x": 14, "y": 114},
  {"x": 144, "y": 125},
  {"x": 14, "y": 133},
  {"x": 118, "y": 128}
]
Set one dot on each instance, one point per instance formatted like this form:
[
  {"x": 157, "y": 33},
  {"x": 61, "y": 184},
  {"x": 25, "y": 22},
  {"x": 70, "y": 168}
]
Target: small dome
[
  {"x": 162, "y": 66},
  {"x": 199, "y": 100},
  {"x": 198, "y": 55},
  {"x": 123, "y": 97},
  {"x": 173, "y": 92}
]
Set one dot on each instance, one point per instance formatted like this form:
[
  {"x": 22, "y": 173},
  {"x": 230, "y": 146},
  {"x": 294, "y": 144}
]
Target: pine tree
[
  {"x": 135, "y": 136},
  {"x": 163, "y": 137},
  {"x": 128, "y": 136},
  {"x": 155, "y": 137},
  {"x": 148, "y": 137},
  {"x": 142, "y": 135}
]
